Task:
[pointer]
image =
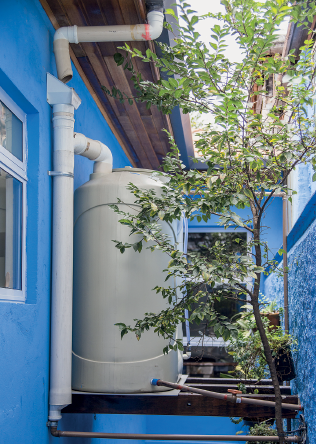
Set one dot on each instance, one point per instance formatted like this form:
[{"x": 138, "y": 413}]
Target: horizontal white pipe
[{"x": 119, "y": 33}]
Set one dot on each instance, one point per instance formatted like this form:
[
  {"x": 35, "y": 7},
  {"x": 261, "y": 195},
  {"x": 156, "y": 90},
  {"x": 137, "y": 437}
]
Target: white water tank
[{"x": 111, "y": 287}]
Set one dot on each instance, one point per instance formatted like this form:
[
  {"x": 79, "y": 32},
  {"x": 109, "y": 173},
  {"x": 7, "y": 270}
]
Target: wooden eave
[{"x": 137, "y": 129}]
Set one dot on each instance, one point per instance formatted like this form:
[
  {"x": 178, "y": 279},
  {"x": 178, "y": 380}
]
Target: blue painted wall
[
  {"x": 302, "y": 292},
  {"x": 302, "y": 308},
  {"x": 25, "y": 57},
  {"x": 272, "y": 222}
]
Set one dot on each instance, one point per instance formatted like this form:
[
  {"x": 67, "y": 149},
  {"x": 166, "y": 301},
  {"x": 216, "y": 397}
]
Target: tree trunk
[{"x": 260, "y": 326}]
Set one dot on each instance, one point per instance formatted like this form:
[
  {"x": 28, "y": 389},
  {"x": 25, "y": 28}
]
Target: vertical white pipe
[{"x": 62, "y": 260}]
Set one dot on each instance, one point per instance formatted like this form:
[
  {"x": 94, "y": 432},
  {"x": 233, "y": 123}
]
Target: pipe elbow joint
[
  {"x": 67, "y": 33},
  {"x": 62, "y": 38},
  {"x": 186, "y": 356},
  {"x": 155, "y": 22}
]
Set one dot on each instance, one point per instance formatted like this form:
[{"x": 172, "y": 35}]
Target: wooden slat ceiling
[{"x": 138, "y": 129}]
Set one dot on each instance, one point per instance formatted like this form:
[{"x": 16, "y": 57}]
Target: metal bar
[
  {"x": 285, "y": 273},
  {"x": 141, "y": 436},
  {"x": 228, "y": 397}
]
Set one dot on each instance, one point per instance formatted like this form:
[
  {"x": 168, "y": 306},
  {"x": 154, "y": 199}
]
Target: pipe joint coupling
[{"x": 67, "y": 33}]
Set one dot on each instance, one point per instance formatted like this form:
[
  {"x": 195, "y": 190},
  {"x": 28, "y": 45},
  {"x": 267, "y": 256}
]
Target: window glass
[
  {"x": 226, "y": 307},
  {"x": 11, "y": 132},
  {"x": 10, "y": 231},
  {"x": 233, "y": 242}
]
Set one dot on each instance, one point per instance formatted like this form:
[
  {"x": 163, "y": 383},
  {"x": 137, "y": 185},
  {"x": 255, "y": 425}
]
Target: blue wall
[
  {"x": 302, "y": 308},
  {"x": 25, "y": 57}
]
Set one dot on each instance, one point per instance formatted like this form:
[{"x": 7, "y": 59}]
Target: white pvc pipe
[
  {"x": 62, "y": 260},
  {"x": 126, "y": 33},
  {"x": 93, "y": 150}
]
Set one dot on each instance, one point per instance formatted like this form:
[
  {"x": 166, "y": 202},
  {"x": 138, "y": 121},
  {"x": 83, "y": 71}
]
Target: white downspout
[
  {"x": 126, "y": 33},
  {"x": 66, "y": 143},
  {"x": 64, "y": 101}
]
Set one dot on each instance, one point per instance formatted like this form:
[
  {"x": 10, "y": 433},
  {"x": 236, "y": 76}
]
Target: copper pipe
[
  {"x": 230, "y": 398},
  {"x": 141, "y": 436}
]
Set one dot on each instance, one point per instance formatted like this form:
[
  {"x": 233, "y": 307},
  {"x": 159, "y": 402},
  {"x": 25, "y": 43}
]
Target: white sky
[
  {"x": 232, "y": 52},
  {"x": 203, "y": 7}
]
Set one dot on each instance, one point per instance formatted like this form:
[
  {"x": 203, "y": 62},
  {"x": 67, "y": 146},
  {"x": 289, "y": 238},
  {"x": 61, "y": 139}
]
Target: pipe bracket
[{"x": 60, "y": 173}]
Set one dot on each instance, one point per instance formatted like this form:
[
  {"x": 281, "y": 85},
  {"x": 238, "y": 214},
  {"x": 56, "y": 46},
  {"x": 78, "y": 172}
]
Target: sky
[{"x": 232, "y": 52}]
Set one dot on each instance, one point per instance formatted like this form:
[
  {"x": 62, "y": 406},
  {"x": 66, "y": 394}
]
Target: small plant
[
  {"x": 247, "y": 349},
  {"x": 262, "y": 429}
]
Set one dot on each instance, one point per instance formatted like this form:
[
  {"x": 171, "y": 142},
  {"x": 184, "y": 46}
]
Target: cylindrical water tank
[{"x": 111, "y": 287}]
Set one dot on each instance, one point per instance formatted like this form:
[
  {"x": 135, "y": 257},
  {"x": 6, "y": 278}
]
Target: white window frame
[
  {"x": 18, "y": 170},
  {"x": 209, "y": 340}
]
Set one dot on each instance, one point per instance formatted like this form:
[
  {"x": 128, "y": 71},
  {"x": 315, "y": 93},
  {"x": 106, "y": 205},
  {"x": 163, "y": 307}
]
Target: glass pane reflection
[
  {"x": 11, "y": 132},
  {"x": 10, "y": 231}
]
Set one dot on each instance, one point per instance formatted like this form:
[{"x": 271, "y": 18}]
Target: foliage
[
  {"x": 249, "y": 156},
  {"x": 249, "y": 152},
  {"x": 247, "y": 348},
  {"x": 262, "y": 429}
]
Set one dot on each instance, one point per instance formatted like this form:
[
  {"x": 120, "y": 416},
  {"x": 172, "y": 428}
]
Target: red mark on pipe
[
  {"x": 225, "y": 397},
  {"x": 146, "y": 36}
]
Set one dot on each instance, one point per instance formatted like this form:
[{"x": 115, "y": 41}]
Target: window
[
  {"x": 200, "y": 241},
  {"x": 12, "y": 199}
]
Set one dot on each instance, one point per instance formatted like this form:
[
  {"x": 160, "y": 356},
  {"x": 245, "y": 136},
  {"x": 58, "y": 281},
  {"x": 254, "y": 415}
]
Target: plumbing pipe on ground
[
  {"x": 228, "y": 397},
  {"x": 140, "y": 436},
  {"x": 118, "y": 33}
]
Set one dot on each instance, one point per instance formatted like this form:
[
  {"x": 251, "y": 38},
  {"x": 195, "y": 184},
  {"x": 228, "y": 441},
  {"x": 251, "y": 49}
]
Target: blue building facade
[
  {"x": 26, "y": 41},
  {"x": 301, "y": 242}
]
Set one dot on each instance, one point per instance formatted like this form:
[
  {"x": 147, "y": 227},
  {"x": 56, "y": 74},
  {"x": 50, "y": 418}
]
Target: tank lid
[{"x": 130, "y": 169}]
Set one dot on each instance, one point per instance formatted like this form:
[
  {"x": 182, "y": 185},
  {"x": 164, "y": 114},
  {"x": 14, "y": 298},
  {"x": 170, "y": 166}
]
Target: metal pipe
[
  {"x": 285, "y": 273},
  {"x": 141, "y": 436},
  {"x": 187, "y": 355},
  {"x": 228, "y": 397}
]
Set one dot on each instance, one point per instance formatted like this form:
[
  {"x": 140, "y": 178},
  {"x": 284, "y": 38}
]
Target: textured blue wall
[{"x": 302, "y": 309}]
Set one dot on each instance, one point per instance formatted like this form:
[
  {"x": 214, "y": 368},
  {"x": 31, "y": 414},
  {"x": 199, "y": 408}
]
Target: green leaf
[
  {"x": 118, "y": 58},
  {"x": 170, "y": 11},
  {"x": 248, "y": 193},
  {"x": 194, "y": 20},
  {"x": 173, "y": 82}
]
